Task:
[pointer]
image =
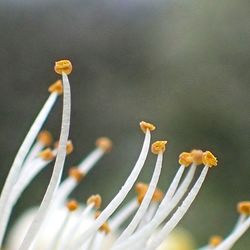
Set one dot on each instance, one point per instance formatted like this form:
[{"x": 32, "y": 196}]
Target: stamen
[
  {"x": 47, "y": 154},
  {"x": 197, "y": 156},
  {"x": 58, "y": 167},
  {"x": 170, "y": 225},
  {"x": 63, "y": 66},
  {"x": 105, "y": 226},
  {"x": 96, "y": 200},
  {"x": 19, "y": 160},
  {"x": 229, "y": 242},
  {"x": 118, "y": 199},
  {"x": 118, "y": 219},
  {"x": 243, "y": 208},
  {"x": 72, "y": 205},
  {"x": 88, "y": 229},
  {"x": 69, "y": 238},
  {"x": 45, "y": 138},
  {"x": 185, "y": 159},
  {"x": 142, "y": 188},
  {"x": 149, "y": 214},
  {"x": 209, "y": 159},
  {"x": 98, "y": 241},
  {"x": 105, "y": 144},
  {"x": 69, "y": 146},
  {"x": 76, "y": 174},
  {"x": 26, "y": 176},
  {"x": 164, "y": 209},
  {"x": 157, "y": 148},
  {"x": 215, "y": 240},
  {"x": 56, "y": 87},
  {"x": 147, "y": 126},
  {"x": 57, "y": 242}
]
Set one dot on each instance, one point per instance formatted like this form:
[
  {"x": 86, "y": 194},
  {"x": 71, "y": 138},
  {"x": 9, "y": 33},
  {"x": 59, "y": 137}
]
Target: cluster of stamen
[{"x": 84, "y": 226}]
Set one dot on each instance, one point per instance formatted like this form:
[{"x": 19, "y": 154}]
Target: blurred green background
[{"x": 183, "y": 65}]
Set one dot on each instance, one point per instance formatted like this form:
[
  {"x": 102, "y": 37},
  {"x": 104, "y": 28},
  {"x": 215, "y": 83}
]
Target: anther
[
  {"x": 158, "y": 195},
  {"x": 243, "y": 207},
  {"x": 215, "y": 240},
  {"x": 45, "y": 138},
  {"x": 105, "y": 226},
  {"x": 104, "y": 143},
  {"x": 185, "y": 159},
  {"x": 141, "y": 190},
  {"x": 76, "y": 174},
  {"x": 209, "y": 159},
  {"x": 69, "y": 147},
  {"x": 63, "y": 66},
  {"x": 56, "y": 87},
  {"x": 72, "y": 205},
  {"x": 96, "y": 200},
  {"x": 197, "y": 156},
  {"x": 158, "y": 147},
  {"x": 147, "y": 126},
  {"x": 47, "y": 154}
]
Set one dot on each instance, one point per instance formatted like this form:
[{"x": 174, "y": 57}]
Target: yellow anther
[
  {"x": 158, "y": 195},
  {"x": 63, "y": 66},
  {"x": 141, "y": 190},
  {"x": 146, "y": 126},
  {"x": 243, "y": 207},
  {"x": 158, "y": 147},
  {"x": 45, "y": 138},
  {"x": 47, "y": 154},
  {"x": 76, "y": 174},
  {"x": 197, "y": 156},
  {"x": 185, "y": 159},
  {"x": 209, "y": 159},
  {"x": 96, "y": 200},
  {"x": 56, "y": 87},
  {"x": 72, "y": 205},
  {"x": 104, "y": 143},
  {"x": 69, "y": 147},
  {"x": 215, "y": 240},
  {"x": 105, "y": 226}
]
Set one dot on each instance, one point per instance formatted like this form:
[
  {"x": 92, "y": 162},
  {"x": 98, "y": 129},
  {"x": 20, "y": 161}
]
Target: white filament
[
  {"x": 98, "y": 241},
  {"x": 19, "y": 159},
  {"x": 118, "y": 199},
  {"x": 162, "y": 212},
  {"x": 33, "y": 153},
  {"x": 181, "y": 211},
  {"x": 69, "y": 184},
  {"x": 229, "y": 242},
  {"x": 122, "y": 215},
  {"x": 145, "y": 202},
  {"x": 57, "y": 172},
  {"x": 25, "y": 178},
  {"x": 55, "y": 244}
]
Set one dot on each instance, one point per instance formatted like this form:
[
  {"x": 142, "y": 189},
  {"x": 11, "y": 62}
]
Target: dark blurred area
[{"x": 183, "y": 65}]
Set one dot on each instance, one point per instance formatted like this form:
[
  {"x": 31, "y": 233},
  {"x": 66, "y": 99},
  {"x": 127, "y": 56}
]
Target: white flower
[{"x": 60, "y": 224}]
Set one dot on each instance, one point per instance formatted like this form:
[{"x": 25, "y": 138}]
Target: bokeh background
[{"x": 183, "y": 65}]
